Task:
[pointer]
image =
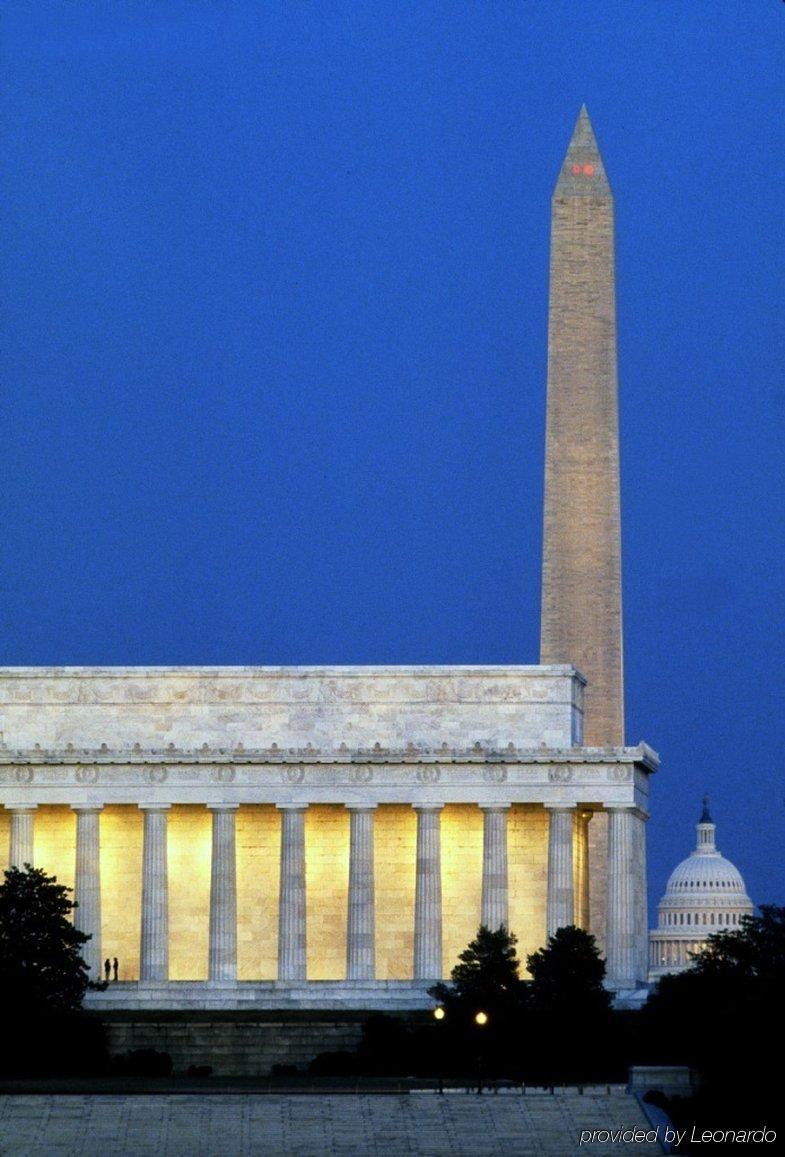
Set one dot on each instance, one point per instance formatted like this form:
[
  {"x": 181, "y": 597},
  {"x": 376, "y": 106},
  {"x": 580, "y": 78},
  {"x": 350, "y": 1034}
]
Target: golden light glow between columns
[
  {"x": 54, "y": 843},
  {"x": 326, "y": 890},
  {"x": 527, "y": 843},
  {"x": 121, "y": 887},
  {"x": 395, "y": 846},
  {"x": 580, "y": 864},
  {"x": 258, "y": 835},
  {"x": 461, "y": 844},
  {"x": 189, "y": 834},
  {"x": 5, "y": 836}
]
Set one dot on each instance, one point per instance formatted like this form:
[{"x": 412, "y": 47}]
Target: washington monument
[{"x": 581, "y": 573}]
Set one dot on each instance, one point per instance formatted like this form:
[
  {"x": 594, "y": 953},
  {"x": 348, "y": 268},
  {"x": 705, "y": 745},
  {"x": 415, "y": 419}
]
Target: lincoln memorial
[{"x": 334, "y": 836}]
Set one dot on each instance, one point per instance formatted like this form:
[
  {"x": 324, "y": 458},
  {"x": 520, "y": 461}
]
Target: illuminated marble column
[
  {"x": 223, "y": 895},
  {"x": 428, "y": 895},
  {"x": 291, "y": 902},
  {"x": 154, "y": 955},
  {"x": 561, "y": 887},
  {"x": 360, "y": 927},
  {"x": 626, "y": 896},
  {"x": 87, "y": 885},
  {"x": 22, "y": 831},
  {"x": 494, "y": 908}
]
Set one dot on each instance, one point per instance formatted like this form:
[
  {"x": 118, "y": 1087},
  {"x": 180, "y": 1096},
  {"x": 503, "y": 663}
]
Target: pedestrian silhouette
[
  {"x": 107, "y": 968},
  {"x": 115, "y": 966}
]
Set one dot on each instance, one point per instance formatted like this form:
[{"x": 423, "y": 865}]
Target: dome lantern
[{"x": 706, "y": 829}]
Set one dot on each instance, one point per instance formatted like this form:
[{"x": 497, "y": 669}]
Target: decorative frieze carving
[
  {"x": 376, "y": 776},
  {"x": 361, "y": 774},
  {"x": 619, "y": 774},
  {"x": 428, "y": 773}
]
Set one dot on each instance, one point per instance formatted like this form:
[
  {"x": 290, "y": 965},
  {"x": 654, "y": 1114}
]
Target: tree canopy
[
  {"x": 486, "y": 977},
  {"x": 738, "y": 967},
  {"x": 41, "y": 967},
  {"x": 568, "y": 974},
  {"x": 554, "y": 1026},
  {"x": 752, "y": 955}
]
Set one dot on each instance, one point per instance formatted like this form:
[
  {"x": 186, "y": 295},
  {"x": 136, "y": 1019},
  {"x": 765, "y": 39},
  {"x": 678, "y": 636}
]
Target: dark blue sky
[{"x": 275, "y": 301}]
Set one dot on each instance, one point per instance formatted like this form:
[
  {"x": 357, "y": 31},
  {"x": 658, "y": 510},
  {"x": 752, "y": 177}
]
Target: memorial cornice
[{"x": 205, "y": 756}]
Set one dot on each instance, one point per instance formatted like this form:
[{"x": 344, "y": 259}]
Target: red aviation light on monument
[{"x": 583, "y": 173}]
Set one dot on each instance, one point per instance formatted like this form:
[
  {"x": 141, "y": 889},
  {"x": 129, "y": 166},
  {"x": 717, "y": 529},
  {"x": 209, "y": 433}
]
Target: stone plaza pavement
[{"x": 241, "y": 1125}]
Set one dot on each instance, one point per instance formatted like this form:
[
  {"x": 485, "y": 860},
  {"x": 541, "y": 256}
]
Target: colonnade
[{"x": 567, "y": 886}]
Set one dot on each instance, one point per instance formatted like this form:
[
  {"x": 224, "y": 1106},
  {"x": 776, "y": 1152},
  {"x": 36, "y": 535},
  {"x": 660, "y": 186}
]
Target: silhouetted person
[
  {"x": 107, "y": 968},
  {"x": 115, "y": 966}
]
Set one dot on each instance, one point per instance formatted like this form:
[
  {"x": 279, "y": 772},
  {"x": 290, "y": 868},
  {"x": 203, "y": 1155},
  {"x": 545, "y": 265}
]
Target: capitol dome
[{"x": 705, "y": 894}]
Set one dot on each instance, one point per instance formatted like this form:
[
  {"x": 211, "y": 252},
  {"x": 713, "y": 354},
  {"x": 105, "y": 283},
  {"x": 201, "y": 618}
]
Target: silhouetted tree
[
  {"x": 751, "y": 956},
  {"x": 486, "y": 976},
  {"x": 485, "y": 979},
  {"x": 43, "y": 980},
  {"x": 41, "y": 967},
  {"x": 571, "y": 1029},
  {"x": 568, "y": 974},
  {"x": 716, "y": 1014}
]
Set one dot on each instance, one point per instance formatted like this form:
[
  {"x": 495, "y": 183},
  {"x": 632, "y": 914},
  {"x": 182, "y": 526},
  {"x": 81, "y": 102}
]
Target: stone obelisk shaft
[
  {"x": 581, "y": 581},
  {"x": 581, "y": 574}
]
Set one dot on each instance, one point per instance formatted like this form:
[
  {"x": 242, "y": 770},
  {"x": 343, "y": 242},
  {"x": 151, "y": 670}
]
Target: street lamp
[
  {"x": 439, "y": 1015},
  {"x": 480, "y": 1019}
]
